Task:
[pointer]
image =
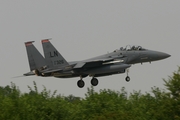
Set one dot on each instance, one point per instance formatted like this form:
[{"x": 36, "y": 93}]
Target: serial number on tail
[{"x": 58, "y": 62}]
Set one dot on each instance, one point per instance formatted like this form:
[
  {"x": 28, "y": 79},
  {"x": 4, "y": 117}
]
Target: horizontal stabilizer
[
  {"x": 51, "y": 70},
  {"x": 29, "y": 74}
]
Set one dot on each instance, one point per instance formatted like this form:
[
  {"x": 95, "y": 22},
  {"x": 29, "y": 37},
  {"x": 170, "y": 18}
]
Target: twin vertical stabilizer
[
  {"x": 36, "y": 60},
  {"x": 53, "y": 58}
]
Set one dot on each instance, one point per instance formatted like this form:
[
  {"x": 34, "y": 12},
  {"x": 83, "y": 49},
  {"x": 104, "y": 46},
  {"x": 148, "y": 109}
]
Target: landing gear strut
[
  {"x": 94, "y": 81},
  {"x": 127, "y": 78}
]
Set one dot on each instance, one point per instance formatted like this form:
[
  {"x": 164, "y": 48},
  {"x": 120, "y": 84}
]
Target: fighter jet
[{"x": 116, "y": 62}]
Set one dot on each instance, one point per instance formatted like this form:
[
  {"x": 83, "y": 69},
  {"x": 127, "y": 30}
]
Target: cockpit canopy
[{"x": 132, "y": 47}]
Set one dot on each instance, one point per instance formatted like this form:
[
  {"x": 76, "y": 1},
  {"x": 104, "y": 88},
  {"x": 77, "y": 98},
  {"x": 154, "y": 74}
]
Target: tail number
[{"x": 58, "y": 62}]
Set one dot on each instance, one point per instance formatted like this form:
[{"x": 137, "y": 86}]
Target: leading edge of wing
[
  {"x": 96, "y": 62},
  {"x": 92, "y": 63}
]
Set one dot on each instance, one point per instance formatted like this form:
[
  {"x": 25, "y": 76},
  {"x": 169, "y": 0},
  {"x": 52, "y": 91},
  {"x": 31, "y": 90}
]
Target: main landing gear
[
  {"x": 80, "y": 83},
  {"x": 94, "y": 82}
]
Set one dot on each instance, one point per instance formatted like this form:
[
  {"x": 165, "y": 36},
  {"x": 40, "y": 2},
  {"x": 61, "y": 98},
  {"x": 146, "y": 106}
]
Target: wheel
[
  {"x": 127, "y": 79},
  {"x": 94, "y": 81},
  {"x": 80, "y": 83}
]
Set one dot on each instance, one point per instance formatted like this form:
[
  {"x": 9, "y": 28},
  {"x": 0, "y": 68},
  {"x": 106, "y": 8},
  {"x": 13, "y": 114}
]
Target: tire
[
  {"x": 94, "y": 81},
  {"x": 80, "y": 83},
  {"x": 127, "y": 79}
]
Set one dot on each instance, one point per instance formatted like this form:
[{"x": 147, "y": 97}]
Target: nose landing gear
[{"x": 127, "y": 78}]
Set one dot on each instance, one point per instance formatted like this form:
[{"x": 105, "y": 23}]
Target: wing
[{"x": 96, "y": 62}]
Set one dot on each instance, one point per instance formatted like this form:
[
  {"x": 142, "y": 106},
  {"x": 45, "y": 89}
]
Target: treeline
[{"x": 103, "y": 105}]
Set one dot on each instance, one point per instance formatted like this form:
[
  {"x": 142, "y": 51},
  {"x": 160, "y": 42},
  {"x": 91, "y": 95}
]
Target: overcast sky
[{"x": 83, "y": 29}]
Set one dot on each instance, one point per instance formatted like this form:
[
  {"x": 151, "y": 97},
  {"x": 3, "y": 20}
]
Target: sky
[{"x": 83, "y": 29}]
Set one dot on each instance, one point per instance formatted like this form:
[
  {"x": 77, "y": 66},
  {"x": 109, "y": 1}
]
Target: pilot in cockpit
[
  {"x": 129, "y": 48},
  {"x": 133, "y": 48}
]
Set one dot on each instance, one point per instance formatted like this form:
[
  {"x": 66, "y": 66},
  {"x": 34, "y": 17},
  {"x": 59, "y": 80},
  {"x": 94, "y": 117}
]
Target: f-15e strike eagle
[{"x": 116, "y": 62}]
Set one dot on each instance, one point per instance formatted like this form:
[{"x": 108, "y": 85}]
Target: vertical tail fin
[
  {"x": 52, "y": 56},
  {"x": 36, "y": 60}
]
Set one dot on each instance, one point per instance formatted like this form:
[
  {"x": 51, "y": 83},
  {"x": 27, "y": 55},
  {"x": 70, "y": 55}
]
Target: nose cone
[
  {"x": 155, "y": 55},
  {"x": 162, "y": 55}
]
